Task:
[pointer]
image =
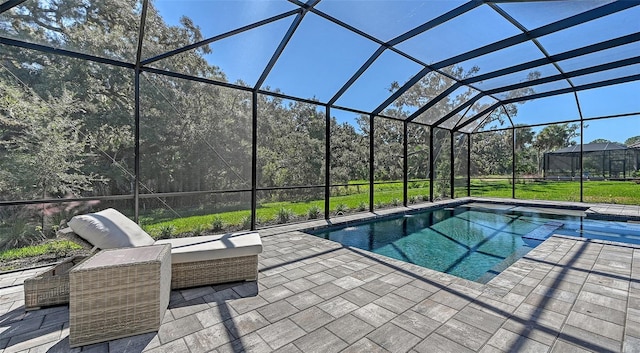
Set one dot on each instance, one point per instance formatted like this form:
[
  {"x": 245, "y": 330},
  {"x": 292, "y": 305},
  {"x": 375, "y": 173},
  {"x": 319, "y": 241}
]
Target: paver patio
[{"x": 314, "y": 295}]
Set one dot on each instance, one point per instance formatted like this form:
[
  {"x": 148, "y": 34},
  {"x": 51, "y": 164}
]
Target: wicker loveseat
[{"x": 195, "y": 261}]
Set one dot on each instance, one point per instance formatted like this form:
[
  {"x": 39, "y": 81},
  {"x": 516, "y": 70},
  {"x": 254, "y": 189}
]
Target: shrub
[
  {"x": 166, "y": 231},
  {"x": 341, "y": 209},
  {"x": 413, "y": 199},
  {"x": 379, "y": 204},
  {"x": 395, "y": 202},
  {"x": 314, "y": 212},
  {"x": 246, "y": 222},
  {"x": 217, "y": 224},
  {"x": 19, "y": 234},
  {"x": 362, "y": 206},
  {"x": 199, "y": 230},
  {"x": 284, "y": 215}
]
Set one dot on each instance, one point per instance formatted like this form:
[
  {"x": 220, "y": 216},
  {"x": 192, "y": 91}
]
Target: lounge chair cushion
[
  {"x": 109, "y": 229},
  {"x": 212, "y": 247}
]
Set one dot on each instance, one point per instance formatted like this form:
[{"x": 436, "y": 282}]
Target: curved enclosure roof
[{"x": 462, "y": 65}]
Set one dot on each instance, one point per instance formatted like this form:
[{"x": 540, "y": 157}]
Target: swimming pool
[{"x": 474, "y": 241}]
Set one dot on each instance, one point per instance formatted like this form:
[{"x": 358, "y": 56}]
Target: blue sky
[{"x": 321, "y": 57}]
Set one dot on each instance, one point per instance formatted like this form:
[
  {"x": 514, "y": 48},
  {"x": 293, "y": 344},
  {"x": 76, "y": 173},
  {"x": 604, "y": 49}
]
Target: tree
[
  {"x": 44, "y": 156},
  {"x": 418, "y": 151},
  {"x": 491, "y": 153},
  {"x": 43, "y": 149},
  {"x": 441, "y": 163},
  {"x": 524, "y": 137},
  {"x": 291, "y": 143},
  {"x": 554, "y": 137},
  {"x": 349, "y": 153},
  {"x": 388, "y": 149},
  {"x": 525, "y": 154},
  {"x": 632, "y": 140},
  {"x": 601, "y": 141},
  {"x": 193, "y": 137}
]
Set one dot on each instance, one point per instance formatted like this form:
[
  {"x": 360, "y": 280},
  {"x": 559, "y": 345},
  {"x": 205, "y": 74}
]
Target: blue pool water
[{"x": 475, "y": 242}]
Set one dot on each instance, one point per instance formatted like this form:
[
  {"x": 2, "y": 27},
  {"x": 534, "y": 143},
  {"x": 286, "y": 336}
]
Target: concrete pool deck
[{"x": 314, "y": 295}]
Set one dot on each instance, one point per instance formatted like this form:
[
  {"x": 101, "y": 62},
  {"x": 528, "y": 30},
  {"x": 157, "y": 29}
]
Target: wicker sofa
[{"x": 195, "y": 261}]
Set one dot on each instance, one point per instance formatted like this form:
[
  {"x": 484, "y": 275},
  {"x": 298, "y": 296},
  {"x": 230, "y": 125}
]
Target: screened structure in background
[
  {"x": 601, "y": 161},
  {"x": 190, "y": 116}
]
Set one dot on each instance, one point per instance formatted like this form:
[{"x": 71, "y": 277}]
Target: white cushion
[
  {"x": 109, "y": 229},
  {"x": 211, "y": 247}
]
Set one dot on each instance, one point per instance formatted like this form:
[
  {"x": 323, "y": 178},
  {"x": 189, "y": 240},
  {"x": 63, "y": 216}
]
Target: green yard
[
  {"x": 617, "y": 192},
  {"x": 354, "y": 198},
  {"x": 349, "y": 199}
]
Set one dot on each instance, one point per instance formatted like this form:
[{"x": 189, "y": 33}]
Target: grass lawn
[
  {"x": 385, "y": 194},
  {"x": 41, "y": 249},
  {"x": 618, "y": 192},
  {"x": 357, "y": 198},
  {"x": 27, "y": 256}
]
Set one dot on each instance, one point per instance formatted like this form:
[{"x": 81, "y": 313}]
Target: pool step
[{"x": 543, "y": 232}]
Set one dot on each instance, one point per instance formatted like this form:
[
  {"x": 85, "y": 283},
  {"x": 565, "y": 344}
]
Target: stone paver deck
[{"x": 314, "y": 295}]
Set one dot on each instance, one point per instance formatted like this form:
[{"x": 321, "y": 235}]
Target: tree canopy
[
  {"x": 632, "y": 140},
  {"x": 600, "y": 141}
]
